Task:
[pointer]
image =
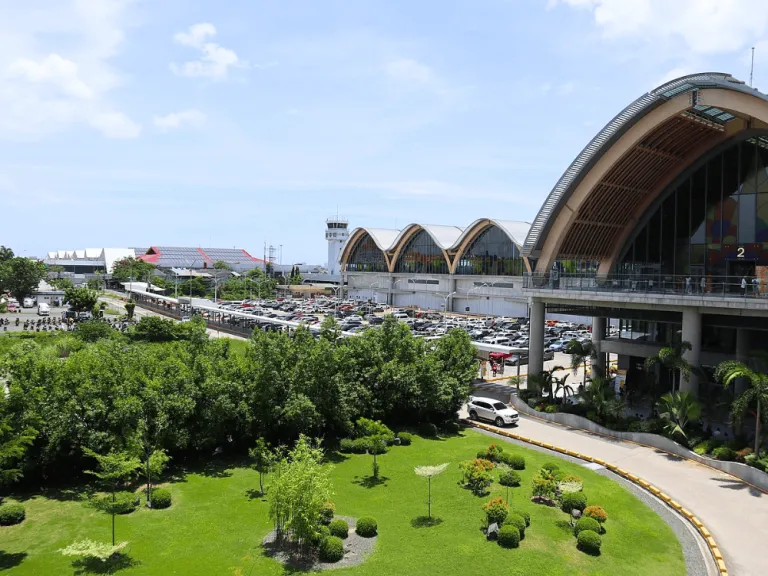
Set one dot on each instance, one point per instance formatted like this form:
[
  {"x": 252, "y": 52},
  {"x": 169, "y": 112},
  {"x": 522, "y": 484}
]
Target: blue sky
[{"x": 202, "y": 123}]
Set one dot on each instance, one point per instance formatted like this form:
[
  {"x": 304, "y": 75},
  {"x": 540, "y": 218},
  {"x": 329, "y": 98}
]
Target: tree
[
  {"x": 598, "y": 394},
  {"x": 560, "y": 384},
  {"x": 580, "y": 353},
  {"x": 21, "y": 276},
  {"x": 671, "y": 358},
  {"x": 131, "y": 269},
  {"x": 5, "y": 254},
  {"x": 130, "y": 306},
  {"x": 754, "y": 398},
  {"x": 13, "y": 445},
  {"x": 545, "y": 382},
  {"x": 678, "y": 409},
  {"x": 429, "y": 472},
  {"x": 263, "y": 459},
  {"x": 377, "y": 445},
  {"x": 154, "y": 329},
  {"x": 114, "y": 469},
  {"x": 95, "y": 284},
  {"x": 61, "y": 283},
  {"x": 81, "y": 298},
  {"x": 221, "y": 265},
  {"x": 296, "y": 277}
]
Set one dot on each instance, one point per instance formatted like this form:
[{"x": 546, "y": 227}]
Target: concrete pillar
[
  {"x": 742, "y": 355},
  {"x": 691, "y": 334},
  {"x": 598, "y": 335},
  {"x": 390, "y": 295},
  {"x": 536, "y": 338},
  {"x": 451, "y": 290}
]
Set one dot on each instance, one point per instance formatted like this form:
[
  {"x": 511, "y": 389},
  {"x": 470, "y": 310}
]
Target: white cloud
[
  {"x": 175, "y": 120},
  {"x": 407, "y": 70},
  {"x": 215, "y": 60},
  {"x": 55, "y": 69},
  {"x": 704, "y": 26}
]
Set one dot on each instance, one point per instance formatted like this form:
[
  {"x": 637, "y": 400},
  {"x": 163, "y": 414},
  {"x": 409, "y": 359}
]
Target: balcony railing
[{"x": 652, "y": 284}]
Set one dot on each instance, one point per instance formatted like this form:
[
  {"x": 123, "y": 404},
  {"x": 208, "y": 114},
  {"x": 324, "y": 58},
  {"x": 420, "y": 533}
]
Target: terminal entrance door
[{"x": 738, "y": 269}]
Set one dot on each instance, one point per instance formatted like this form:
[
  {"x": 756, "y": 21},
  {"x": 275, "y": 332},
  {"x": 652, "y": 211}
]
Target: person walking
[
  {"x": 688, "y": 285},
  {"x": 743, "y": 286},
  {"x": 703, "y": 284}
]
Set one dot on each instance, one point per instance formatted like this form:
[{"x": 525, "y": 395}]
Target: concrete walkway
[{"x": 735, "y": 513}]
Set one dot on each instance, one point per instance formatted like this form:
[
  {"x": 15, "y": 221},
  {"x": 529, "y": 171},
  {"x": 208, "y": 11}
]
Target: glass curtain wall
[
  {"x": 492, "y": 253},
  {"x": 421, "y": 256},
  {"x": 366, "y": 257},
  {"x": 712, "y": 228}
]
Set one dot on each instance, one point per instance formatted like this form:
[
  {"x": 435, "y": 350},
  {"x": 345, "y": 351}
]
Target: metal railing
[{"x": 652, "y": 284}]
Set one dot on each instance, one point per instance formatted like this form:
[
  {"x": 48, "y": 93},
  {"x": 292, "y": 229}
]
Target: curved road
[{"x": 735, "y": 513}]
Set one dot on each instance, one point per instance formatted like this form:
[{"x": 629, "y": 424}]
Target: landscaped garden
[{"x": 218, "y": 520}]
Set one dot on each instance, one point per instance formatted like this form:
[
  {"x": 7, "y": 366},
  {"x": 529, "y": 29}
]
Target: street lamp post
[
  {"x": 445, "y": 310},
  {"x": 375, "y": 295},
  {"x": 393, "y": 287}
]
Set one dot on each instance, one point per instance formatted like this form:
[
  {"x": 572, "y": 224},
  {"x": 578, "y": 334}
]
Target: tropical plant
[
  {"x": 678, "y": 410},
  {"x": 114, "y": 468},
  {"x": 544, "y": 382},
  {"x": 430, "y": 472},
  {"x": 598, "y": 394},
  {"x": 672, "y": 358},
  {"x": 753, "y": 398},
  {"x": 581, "y": 352},
  {"x": 560, "y": 384}
]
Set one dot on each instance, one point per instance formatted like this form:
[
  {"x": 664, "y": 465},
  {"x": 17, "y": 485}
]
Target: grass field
[{"x": 217, "y": 522}]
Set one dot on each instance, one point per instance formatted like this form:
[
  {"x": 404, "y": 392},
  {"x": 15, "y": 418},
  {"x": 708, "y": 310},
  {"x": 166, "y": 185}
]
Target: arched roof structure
[
  {"x": 603, "y": 194},
  {"x": 516, "y": 231},
  {"x": 384, "y": 238}
]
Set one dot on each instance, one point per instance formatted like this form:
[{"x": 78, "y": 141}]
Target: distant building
[{"x": 180, "y": 257}]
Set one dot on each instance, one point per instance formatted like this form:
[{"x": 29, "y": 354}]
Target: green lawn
[{"x": 214, "y": 527}]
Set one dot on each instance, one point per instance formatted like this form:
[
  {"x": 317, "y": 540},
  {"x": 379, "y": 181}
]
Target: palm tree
[
  {"x": 580, "y": 353},
  {"x": 671, "y": 358},
  {"x": 678, "y": 409},
  {"x": 756, "y": 396},
  {"x": 545, "y": 381},
  {"x": 599, "y": 393},
  {"x": 559, "y": 384}
]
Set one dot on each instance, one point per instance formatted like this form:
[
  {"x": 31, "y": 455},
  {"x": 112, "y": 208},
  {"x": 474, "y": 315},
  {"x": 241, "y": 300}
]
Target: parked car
[{"x": 492, "y": 410}]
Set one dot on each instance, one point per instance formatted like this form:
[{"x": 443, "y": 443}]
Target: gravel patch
[
  {"x": 698, "y": 561},
  {"x": 356, "y": 550}
]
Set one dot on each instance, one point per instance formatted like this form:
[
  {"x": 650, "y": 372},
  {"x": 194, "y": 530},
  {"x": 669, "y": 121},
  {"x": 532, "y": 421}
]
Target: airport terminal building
[{"x": 661, "y": 223}]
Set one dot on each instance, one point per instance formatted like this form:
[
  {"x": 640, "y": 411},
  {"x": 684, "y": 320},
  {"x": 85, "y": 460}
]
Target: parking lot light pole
[
  {"x": 393, "y": 287},
  {"x": 375, "y": 295},
  {"x": 445, "y": 310}
]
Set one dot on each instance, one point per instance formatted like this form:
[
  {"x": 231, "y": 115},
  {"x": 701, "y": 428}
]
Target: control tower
[{"x": 336, "y": 233}]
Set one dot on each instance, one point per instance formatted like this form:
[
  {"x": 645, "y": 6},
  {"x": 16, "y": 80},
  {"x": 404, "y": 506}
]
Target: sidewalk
[{"x": 735, "y": 513}]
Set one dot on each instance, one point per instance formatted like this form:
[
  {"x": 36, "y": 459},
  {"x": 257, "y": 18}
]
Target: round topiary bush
[
  {"x": 525, "y": 515},
  {"x": 331, "y": 549},
  {"x": 11, "y": 514},
  {"x": 161, "y": 498},
  {"x": 125, "y": 502},
  {"x": 428, "y": 430},
  {"x": 321, "y": 534},
  {"x": 509, "y": 478},
  {"x": 515, "y": 461},
  {"x": 405, "y": 438},
  {"x": 496, "y": 511},
  {"x": 589, "y": 542},
  {"x": 366, "y": 527},
  {"x": 516, "y": 520},
  {"x": 551, "y": 467},
  {"x": 509, "y": 536},
  {"x": 597, "y": 513},
  {"x": 586, "y": 523},
  {"x": 327, "y": 510},
  {"x": 571, "y": 501},
  {"x": 339, "y": 528}
]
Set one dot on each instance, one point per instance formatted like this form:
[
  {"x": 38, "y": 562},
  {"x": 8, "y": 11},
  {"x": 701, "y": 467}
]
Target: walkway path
[{"x": 735, "y": 513}]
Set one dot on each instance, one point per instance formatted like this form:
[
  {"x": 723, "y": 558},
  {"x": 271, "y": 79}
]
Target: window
[
  {"x": 421, "y": 256},
  {"x": 499, "y": 406},
  {"x": 366, "y": 256},
  {"x": 491, "y": 253}
]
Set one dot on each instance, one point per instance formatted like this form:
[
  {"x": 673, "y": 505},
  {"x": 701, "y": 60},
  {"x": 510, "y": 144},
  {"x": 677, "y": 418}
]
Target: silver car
[{"x": 492, "y": 410}]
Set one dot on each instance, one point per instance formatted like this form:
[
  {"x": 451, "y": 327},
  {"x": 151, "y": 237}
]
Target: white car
[{"x": 492, "y": 410}]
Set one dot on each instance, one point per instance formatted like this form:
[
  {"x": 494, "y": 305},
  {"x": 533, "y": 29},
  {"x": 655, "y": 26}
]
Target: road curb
[{"x": 687, "y": 514}]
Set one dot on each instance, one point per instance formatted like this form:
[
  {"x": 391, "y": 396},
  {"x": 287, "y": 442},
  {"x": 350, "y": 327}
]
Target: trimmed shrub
[
  {"x": 345, "y": 446},
  {"x": 586, "y": 523},
  {"x": 125, "y": 502},
  {"x": 11, "y": 514},
  {"x": 327, "y": 511},
  {"x": 551, "y": 467},
  {"x": 589, "y": 542},
  {"x": 741, "y": 455},
  {"x": 550, "y": 409},
  {"x": 514, "y": 461},
  {"x": 321, "y": 534},
  {"x": 753, "y": 461},
  {"x": 492, "y": 453},
  {"x": 509, "y": 536},
  {"x": 573, "y": 501},
  {"x": 339, "y": 528},
  {"x": 544, "y": 487},
  {"x": 405, "y": 438},
  {"x": 518, "y": 522},
  {"x": 365, "y": 428},
  {"x": 509, "y": 478},
  {"x": 525, "y": 515},
  {"x": 597, "y": 513},
  {"x": 724, "y": 453},
  {"x": 428, "y": 430},
  {"x": 476, "y": 475},
  {"x": 366, "y": 527},
  {"x": 496, "y": 511},
  {"x": 161, "y": 498},
  {"x": 331, "y": 549}
]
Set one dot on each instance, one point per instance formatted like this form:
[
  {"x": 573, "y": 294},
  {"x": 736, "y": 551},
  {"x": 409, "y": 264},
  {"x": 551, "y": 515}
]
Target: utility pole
[{"x": 752, "y": 67}]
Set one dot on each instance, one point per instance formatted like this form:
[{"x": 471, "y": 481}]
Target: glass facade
[
  {"x": 492, "y": 253},
  {"x": 366, "y": 257},
  {"x": 713, "y": 227},
  {"x": 422, "y": 256}
]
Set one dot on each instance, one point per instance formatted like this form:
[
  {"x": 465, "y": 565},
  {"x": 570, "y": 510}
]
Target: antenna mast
[{"x": 752, "y": 67}]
